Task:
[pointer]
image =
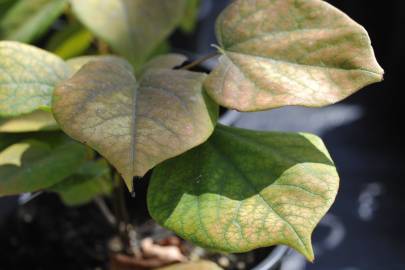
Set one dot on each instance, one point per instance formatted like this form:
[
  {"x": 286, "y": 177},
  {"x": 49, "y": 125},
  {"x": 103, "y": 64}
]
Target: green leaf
[
  {"x": 35, "y": 121},
  {"x": 199, "y": 265},
  {"x": 28, "y": 20},
  {"x": 289, "y": 52},
  {"x": 53, "y": 138},
  {"x": 70, "y": 41},
  {"x": 92, "y": 179},
  {"x": 32, "y": 165},
  {"x": 28, "y": 78},
  {"x": 5, "y": 5},
  {"x": 189, "y": 20},
  {"x": 245, "y": 189},
  {"x": 134, "y": 124},
  {"x": 133, "y": 28}
]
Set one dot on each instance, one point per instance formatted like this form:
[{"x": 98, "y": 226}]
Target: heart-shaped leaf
[
  {"x": 289, "y": 52},
  {"x": 28, "y": 20},
  {"x": 35, "y": 121},
  {"x": 132, "y": 27},
  {"x": 77, "y": 63},
  {"x": 32, "y": 165},
  {"x": 92, "y": 179},
  {"x": 134, "y": 124},
  {"x": 28, "y": 77},
  {"x": 244, "y": 189},
  {"x": 165, "y": 61}
]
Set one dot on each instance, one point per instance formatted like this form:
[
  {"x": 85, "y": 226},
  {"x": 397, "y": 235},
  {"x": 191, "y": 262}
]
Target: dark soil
[{"x": 44, "y": 234}]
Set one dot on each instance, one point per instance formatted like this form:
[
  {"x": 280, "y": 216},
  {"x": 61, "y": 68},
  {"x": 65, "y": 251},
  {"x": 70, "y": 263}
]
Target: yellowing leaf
[
  {"x": 33, "y": 165},
  {"x": 35, "y": 121},
  {"x": 28, "y": 20},
  {"x": 12, "y": 155},
  {"x": 28, "y": 77},
  {"x": 132, "y": 27},
  {"x": 75, "y": 44},
  {"x": 289, "y": 52},
  {"x": 134, "y": 124},
  {"x": 244, "y": 189}
]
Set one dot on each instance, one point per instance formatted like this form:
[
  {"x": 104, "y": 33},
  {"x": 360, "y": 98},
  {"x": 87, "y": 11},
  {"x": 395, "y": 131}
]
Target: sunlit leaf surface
[
  {"x": 35, "y": 121},
  {"x": 289, "y": 52},
  {"x": 27, "y": 78}
]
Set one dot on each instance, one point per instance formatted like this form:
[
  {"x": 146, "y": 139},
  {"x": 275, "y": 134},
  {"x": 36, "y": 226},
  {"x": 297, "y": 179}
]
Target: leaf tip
[{"x": 128, "y": 179}]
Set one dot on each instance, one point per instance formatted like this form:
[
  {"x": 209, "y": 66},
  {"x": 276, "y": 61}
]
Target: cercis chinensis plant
[{"x": 220, "y": 187}]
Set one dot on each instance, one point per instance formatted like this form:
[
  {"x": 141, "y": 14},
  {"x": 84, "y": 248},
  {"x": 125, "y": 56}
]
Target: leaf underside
[
  {"x": 242, "y": 190},
  {"x": 134, "y": 124},
  {"x": 289, "y": 52}
]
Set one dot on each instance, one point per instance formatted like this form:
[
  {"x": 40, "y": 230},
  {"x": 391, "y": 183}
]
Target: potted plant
[{"x": 221, "y": 188}]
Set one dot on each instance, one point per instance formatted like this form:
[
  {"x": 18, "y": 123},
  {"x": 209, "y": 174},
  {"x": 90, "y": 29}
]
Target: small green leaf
[
  {"x": 189, "y": 20},
  {"x": 92, "y": 179},
  {"x": 32, "y": 165},
  {"x": 289, "y": 52},
  {"x": 28, "y": 20},
  {"x": 72, "y": 40},
  {"x": 244, "y": 189},
  {"x": 35, "y": 121},
  {"x": 133, "y": 28},
  {"x": 134, "y": 124},
  {"x": 199, "y": 265},
  {"x": 28, "y": 78}
]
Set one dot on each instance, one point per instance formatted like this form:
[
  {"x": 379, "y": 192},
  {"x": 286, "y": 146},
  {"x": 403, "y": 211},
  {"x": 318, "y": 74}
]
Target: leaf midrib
[{"x": 300, "y": 64}]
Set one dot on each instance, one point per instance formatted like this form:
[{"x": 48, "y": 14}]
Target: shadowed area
[{"x": 246, "y": 189}]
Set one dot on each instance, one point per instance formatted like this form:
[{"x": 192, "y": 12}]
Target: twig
[
  {"x": 199, "y": 61},
  {"x": 105, "y": 211}
]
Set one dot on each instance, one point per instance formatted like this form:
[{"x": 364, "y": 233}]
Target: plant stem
[
  {"x": 121, "y": 214},
  {"x": 199, "y": 61},
  {"x": 102, "y": 47}
]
